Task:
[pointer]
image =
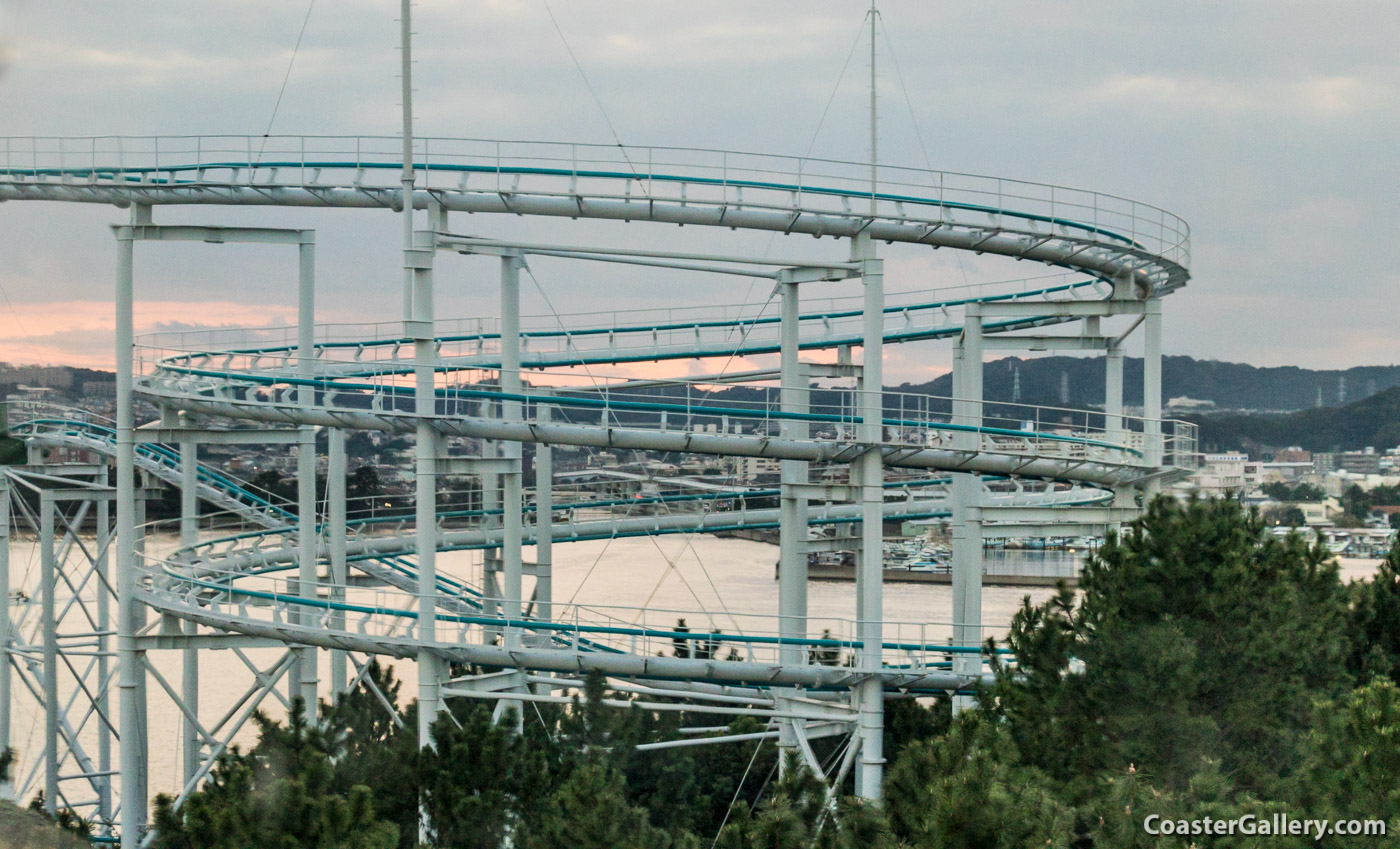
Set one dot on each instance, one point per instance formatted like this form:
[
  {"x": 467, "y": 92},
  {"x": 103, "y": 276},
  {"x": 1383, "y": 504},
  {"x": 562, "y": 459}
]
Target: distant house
[{"x": 1385, "y": 514}]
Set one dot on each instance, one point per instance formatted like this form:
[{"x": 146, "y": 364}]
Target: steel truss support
[
  {"x": 131, "y": 614},
  {"x": 69, "y": 633}
]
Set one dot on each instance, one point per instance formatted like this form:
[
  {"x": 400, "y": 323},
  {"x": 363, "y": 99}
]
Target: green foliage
[
  {"x": 278, "y": 795},
  {"x": 1280, "y": 491},
  {"x": 1370, "y": 421},
  {"x": 969, "y": 790},
  {"x": 1353, "y": 765},
  {"x": 799, "y": 813},
  {"x": 1373, "y": 622},
  {"x": 590, "y": 811},
  {"x": 65, "y": 818},
  {"x": 1287, "y": 516},
  {"x": 1203, "y": 669},
  {"x": 12, "y": 451},
  {"x": 1198, "y": 635},
  {"x": 1116, "y": 814},
  {"x": 1358, "y": 502},
  {"x": 375, "y": 749},
  {"x": 472, "y": 778}
]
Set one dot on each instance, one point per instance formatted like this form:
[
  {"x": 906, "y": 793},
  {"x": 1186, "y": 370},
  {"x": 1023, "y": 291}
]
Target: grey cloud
[{"x": 1269, "y": 126}]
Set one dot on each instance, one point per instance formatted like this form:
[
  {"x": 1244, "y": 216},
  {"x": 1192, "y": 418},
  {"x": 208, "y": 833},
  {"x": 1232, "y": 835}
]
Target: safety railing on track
[
  {"x": 730, "y": 179},
  {"x": 393, "y": 615},
  {"x": 620, "y": 336},
  {"x": 910, "y": 420}
]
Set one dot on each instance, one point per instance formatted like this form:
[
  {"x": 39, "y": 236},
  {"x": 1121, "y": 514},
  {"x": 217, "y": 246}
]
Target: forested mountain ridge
[
  {"x": 1231, "y": 386},
  {"x": 1373, "y": 421}
]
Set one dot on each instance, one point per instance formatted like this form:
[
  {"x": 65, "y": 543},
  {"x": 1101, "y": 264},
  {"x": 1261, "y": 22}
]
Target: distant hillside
[
  {"x": 66, "y": 379},
  {"x": 1053, "y": 381},
  {"x": 1231, "y": 386},
  {"x": 1373, "y": 421}
]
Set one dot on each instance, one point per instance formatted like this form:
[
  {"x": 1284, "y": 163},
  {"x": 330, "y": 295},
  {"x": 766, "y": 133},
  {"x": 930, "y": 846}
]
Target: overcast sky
[{"x": 1271, "y": 127}]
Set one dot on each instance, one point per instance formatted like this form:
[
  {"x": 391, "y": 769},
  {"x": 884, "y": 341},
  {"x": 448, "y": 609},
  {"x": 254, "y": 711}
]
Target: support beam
[
  {"x": 1113, "y": 396},
  {"x": 544, "y": 523},
  {"x": 48, "y": 585},
  {"x": 305, "y": 673},
  {"x": 792, "y": 525},
  {"x": 1152, "y": 384},
  {"x": 189, "y": 536},
  {"x": 104, "y": 624},
  {"x": 418, "y": 259},
  {"x": 1060, "y": 309},
  {"x": 870, "y": 570},
  {"x": 335, "y": 548},
  {"x": 511, "y": 495},
  {"x": 966, "y": 495},
  {"x": 132, "y": 674}
]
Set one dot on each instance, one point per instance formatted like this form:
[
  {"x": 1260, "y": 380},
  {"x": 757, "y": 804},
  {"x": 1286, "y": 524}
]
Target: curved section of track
[
  {"x": 231, "y": 584},
  {"x": 1100, "y": 234}
]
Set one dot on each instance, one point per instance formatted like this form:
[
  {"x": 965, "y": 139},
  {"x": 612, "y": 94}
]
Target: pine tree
[
  {"x": 1196, "y": 635},
  {"x": 590, "y": 811},
  {"x": 1373, "y": 622},
  {"x": 278, "y": 795},
  {"x": 968, "y": 790},
  {"x": 1353, "y": 765}
]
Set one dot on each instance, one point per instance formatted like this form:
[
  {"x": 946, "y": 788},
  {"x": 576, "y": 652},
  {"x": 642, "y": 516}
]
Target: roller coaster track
[
  {"x": 216, "y": 581},
  {"x": 495, "y": 383}
]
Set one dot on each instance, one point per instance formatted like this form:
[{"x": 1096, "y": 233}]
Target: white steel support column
[
  {"x": 792, "y": 569},
  {"x": 544, "y": 523},
  {"x": 189, "y": 536},
  {"x": 966, "y": 495},
  {"x": 129, "y": 616},
  {"x": 870, "y": 569},
  {"x": 490, "y": 502},
  {"x": 1113, "y": 394},
  {"x": 335, "y": 548},
  {"x": 1152, "y": 384},
  {"x": 793, "y": 506},
  {"x": 48, "y": 578},
  {"x": 305, "y": 670},
  {"x": 512, "y": 502},
  {"x": 7, "y": 785},
  {"x": 421, "y": 330},
  {"x": 792, "y": 522}
]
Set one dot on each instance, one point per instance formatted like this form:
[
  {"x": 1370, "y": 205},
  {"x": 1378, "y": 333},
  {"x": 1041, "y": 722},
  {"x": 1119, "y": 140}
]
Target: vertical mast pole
[
  {"x": 874, "y": 141},
  {"x": 406, "y": 77}
]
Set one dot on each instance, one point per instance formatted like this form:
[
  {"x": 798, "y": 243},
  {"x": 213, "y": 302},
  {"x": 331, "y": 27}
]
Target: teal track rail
[
  {"x": 329, "y": 385},
  {"x": 135, "y": 174}
]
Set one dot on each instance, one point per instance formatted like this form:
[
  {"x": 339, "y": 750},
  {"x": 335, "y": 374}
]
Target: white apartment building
[{"x": 1226, "y": 474}]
